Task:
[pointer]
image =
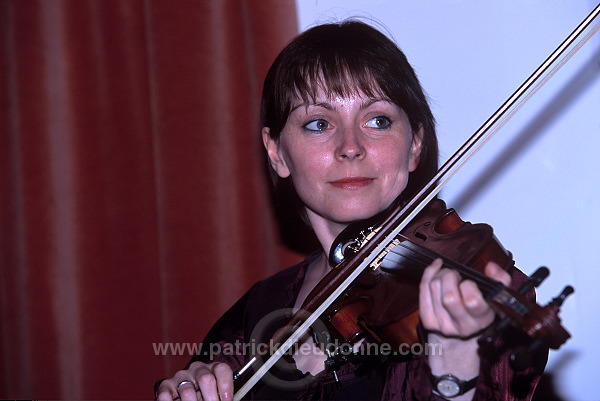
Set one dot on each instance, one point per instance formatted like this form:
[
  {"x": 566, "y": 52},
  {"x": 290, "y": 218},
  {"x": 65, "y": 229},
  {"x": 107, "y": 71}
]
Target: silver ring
[{"x": 181, "y": 383}]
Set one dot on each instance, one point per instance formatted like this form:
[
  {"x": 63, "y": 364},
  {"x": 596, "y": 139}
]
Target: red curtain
[{"x": 134, "y": 205}]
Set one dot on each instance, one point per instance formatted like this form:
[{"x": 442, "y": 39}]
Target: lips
[{"x": 352, "y": 182}]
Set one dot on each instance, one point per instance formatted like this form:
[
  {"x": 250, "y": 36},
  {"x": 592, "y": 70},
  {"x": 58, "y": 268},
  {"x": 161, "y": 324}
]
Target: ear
[
  {"x": 274, "y": 152},
  {"x": 415, "y": 149}
]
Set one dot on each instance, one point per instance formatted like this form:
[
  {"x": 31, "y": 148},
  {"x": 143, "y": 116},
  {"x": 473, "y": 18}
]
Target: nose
[{"x": 350, "y": 145}]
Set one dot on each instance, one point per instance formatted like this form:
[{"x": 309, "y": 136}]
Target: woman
[{"x": 347, "y": 128}]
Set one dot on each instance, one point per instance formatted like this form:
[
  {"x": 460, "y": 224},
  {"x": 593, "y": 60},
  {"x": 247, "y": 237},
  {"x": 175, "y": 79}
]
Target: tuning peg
[
  {"x": 523, "y": 356},
  {"x": 558, "y": 301},
  {"x": 534, "y": 280}
]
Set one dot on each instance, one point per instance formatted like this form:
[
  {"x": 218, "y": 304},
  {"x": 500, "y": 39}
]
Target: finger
[
  {"x": 473, "y": 301},
  {"x": 455, "y": 319},
  {"x": 443, "y": 292},
  {"x": 493, "y": 270},
  {"x": 187, "y": 390},
  {"x": 224, "y": 376},
  {"x": 431, "y": 270},
  {"x": 181, "y": 386},
  {"x": 477, "y": 309},
  {"x": 450, "y": 305},
  {"x": 166, "y": 392},
  {"x": 426, "y": 307},
  {"x": 466, "y": 307},
  {"x": 207, "y": 384}
]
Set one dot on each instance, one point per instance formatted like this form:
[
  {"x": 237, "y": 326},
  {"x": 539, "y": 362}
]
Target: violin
[
  {"x": 372, "y": 290},
  {"x": 382, "y": 303},
  {"x": 383, "y": 300}
]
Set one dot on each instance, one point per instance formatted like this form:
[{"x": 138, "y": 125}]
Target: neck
[{"x": 325, "y": 230}]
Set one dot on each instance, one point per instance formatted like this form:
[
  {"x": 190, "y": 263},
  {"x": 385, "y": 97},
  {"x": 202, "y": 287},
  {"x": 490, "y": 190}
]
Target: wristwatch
[{"x": 449, "y": 386}]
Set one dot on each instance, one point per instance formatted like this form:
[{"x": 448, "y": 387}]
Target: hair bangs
[{"x": 337, "y": 75}]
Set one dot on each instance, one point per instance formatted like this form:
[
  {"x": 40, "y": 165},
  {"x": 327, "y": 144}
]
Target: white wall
[{"x": 538, "y": 181}]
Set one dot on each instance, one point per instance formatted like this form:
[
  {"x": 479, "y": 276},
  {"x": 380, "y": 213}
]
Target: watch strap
[{"x": 463, "y": 386}]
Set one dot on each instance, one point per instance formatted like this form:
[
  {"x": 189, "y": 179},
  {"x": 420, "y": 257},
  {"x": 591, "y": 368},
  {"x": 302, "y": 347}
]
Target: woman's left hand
[
  {"x": 452, "y": 307},
  {"x": 454, "y": 312}
]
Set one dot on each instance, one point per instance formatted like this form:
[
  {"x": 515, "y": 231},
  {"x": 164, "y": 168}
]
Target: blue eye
[
  {"x": 318, "y": 125},
  {"x": 379, "y": 122}
]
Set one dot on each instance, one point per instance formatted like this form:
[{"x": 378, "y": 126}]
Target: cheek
[
  {"x": 306, "y": 172},
  {"x": 304, "y": 161},
  {"x": 398, "y": 161},
  {"x": 396, "y": 169}
]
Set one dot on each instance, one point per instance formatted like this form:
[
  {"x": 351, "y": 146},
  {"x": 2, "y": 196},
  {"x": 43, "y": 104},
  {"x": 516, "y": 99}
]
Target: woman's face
[{"x": 348, "y": 157}]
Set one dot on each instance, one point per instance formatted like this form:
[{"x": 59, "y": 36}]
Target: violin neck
[{"x": 407, "y": 253}]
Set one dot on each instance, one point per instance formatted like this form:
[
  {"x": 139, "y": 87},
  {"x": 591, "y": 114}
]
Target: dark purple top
[{"x": 267, "y": 304}]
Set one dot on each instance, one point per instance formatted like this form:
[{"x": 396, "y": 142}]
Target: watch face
[{"x": 448, "y": 387}]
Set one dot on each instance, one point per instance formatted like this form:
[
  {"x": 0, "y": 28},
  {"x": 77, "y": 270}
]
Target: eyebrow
[{"x": 329, "y": 106}]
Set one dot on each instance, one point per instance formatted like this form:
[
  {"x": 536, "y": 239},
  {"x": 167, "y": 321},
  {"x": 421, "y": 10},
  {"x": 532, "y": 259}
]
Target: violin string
[
  {"x": 484, "y": 282},
  {"x": 492, "y": 290}
]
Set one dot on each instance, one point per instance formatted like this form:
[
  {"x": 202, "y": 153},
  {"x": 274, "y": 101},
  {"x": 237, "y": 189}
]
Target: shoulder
[
  {"x": 284, "y": 278},
  {"x": 271, "y": 299},
  {"x": 281, "y": 289}
]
